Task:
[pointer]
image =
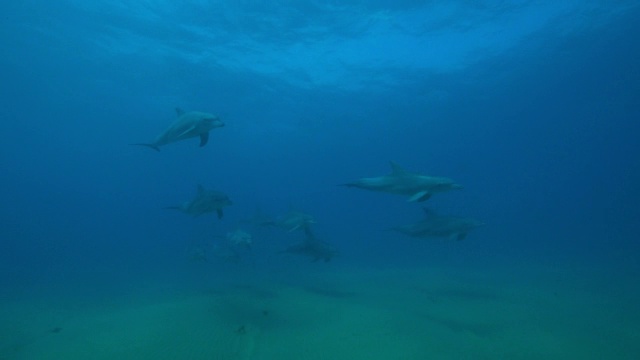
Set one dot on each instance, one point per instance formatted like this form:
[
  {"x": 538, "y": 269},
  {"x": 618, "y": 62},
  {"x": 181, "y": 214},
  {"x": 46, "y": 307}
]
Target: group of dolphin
[
  {"x": 312, "y": 247},
  {"x": 190, "y": 124},
  {"x": 196, "y": 124},
  {"x": 420, "y": 188}
]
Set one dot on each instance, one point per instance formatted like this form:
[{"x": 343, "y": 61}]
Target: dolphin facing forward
[
  {"x": 418, "y": 187},
  {"x": 188, "y": 125}
]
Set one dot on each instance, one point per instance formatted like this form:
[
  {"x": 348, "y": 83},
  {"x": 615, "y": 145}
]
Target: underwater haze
[{"x": 285, "y": 233}]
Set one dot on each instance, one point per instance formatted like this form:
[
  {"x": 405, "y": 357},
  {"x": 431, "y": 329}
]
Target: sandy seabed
[{"x": 339, "y": 314}]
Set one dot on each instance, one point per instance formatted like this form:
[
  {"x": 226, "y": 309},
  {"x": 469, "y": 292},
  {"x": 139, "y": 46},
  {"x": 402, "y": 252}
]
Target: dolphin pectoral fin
[
  {"x": 460, "y": 236},
  {"x": 420, "y": 196},
  {"x": 204, "y": 138},
  {"x": 153, "y": 146},
  {"x": 294, "y": 228},
  {"x": 220, "y": 213}
]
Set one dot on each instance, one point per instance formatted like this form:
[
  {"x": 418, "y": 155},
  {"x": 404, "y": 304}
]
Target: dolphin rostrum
[
  {"x": 205, "y": 201},
  {"x": 418, "y": 187},
  {"x": 434, "y": 226},
  {"x": 188, "y": 125}
]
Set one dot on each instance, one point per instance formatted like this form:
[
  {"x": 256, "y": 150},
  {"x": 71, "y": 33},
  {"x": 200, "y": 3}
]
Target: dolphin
[
  {"x": 239, "y": 238},
  {"x": 312, "y": 247},
  {"x": 434, "y": 226},
  {"x": 259, "y": 219},
  {"x": 197, "y": 254},
  {"x": 233, "y": 246},
  {"x": 205, "y": 201},
  {"x": 188, "y": 125},
  {"x": 418, "y": 187},
  {"x": 291, "y": 221}
]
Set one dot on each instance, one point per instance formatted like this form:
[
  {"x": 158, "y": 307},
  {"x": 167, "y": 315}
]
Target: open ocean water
[{"x": 334, "y": 179}]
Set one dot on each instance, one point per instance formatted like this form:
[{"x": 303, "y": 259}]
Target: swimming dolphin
[
  {"x": 188, "y": 125},
  {"x": 312, "y": 247},
  {"x": 417, "y": 187},
  {"x": 239, "y": 238},
  {"x": 197, "y": 254},
  {"x": 259, "y": 219},
  {"x": 205, "y": 201},
  {"x": 433, "y": 226},
  {"x": 234, "y": 246},
  {"x": 292, "y": 221}
]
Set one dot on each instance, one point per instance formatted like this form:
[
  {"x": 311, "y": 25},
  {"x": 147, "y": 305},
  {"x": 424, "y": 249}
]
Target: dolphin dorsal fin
[
  {"x": 397, "y": 169},
  {"x": 179, "y": 112}
]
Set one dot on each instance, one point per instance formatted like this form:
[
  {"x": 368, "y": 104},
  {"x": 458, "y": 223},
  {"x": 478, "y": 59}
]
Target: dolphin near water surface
[{"x": 188, "y": 125}]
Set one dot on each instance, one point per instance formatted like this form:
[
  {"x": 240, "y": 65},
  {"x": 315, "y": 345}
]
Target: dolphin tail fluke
[{"x": 153, "y": 146}]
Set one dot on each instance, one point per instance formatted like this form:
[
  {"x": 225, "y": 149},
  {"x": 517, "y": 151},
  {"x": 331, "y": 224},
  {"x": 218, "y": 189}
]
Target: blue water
[{"x": 533, "y": 107}]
